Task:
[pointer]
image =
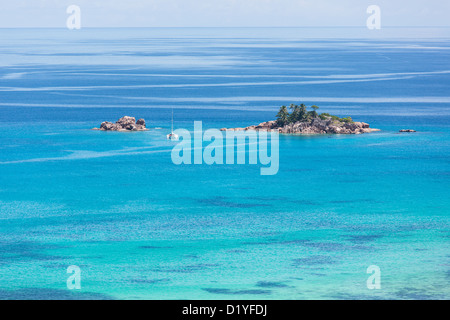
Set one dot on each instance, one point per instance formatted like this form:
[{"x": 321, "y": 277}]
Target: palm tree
[
  {"x": 302, "y": 114},
  {"x": 294, "y": 115},
  {"x": 314, "y": 112},
  {"x": 282, "y": 116}
]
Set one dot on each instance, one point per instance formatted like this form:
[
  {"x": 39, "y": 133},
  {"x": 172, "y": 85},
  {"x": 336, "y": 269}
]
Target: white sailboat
[{"x": 172, "y": 136}]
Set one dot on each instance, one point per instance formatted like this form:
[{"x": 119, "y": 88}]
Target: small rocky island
[
  {"x": 302, "y": 121},
  {"x": 123, "y": 124}
]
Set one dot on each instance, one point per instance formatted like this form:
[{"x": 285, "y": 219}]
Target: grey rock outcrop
[{"x": 123, "y": 124}]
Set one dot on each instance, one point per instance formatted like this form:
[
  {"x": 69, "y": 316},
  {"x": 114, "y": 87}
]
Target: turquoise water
[{"x": 140, "y": 227}]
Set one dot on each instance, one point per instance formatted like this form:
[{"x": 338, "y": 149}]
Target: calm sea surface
[{"x": 140, "y": 227}]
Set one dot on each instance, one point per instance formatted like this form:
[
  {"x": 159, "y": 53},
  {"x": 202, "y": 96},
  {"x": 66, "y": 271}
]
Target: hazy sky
[{"x": 222, "y": 13}]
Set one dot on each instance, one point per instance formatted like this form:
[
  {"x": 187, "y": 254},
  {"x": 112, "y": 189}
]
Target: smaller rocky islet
[{"x": 125, "y": 123}]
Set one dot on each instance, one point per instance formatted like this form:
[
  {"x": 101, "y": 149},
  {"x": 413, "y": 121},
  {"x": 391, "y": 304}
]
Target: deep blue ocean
[{"x": 141, "y": 227}]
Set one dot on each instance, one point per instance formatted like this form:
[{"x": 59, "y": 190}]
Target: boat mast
[{"x": 172, "y": 119}]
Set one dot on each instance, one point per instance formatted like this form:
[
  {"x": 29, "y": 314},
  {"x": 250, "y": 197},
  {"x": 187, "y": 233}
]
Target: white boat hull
[{"x": 172, "y": 136}]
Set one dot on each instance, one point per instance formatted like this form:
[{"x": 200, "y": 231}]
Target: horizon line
[{"x": 224, "y": 27}]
